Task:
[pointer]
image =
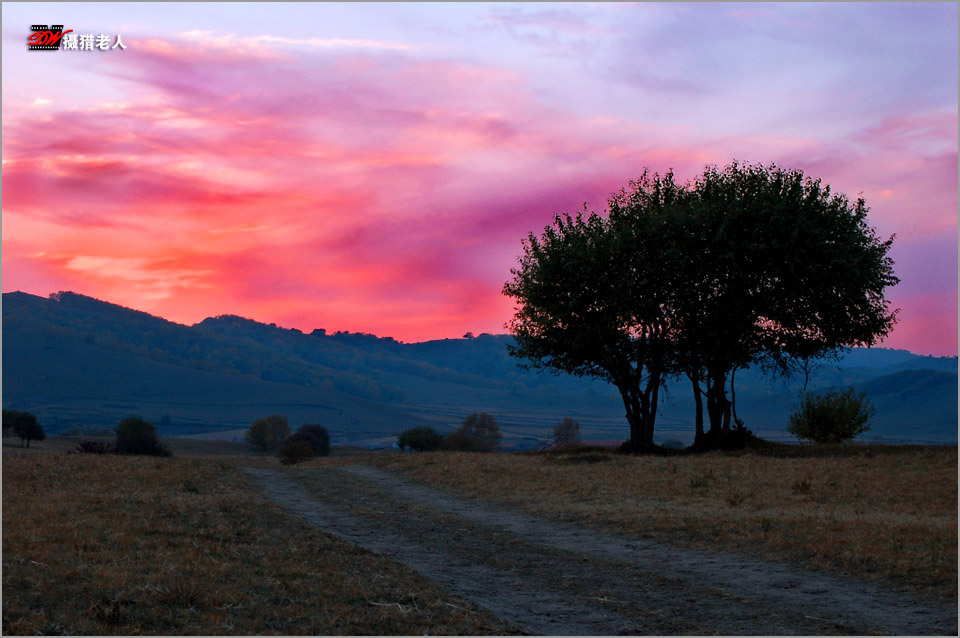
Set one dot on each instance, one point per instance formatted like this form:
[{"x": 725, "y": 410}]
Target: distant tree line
[{"x": 479, "y": 432}]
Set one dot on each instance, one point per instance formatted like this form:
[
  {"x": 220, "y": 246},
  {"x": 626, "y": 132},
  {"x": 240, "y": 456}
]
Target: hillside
[{"x": 76, "y": 361}]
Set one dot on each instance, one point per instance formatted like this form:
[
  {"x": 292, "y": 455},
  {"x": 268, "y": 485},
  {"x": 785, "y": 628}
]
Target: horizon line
[{"x": 327, "y": 333}]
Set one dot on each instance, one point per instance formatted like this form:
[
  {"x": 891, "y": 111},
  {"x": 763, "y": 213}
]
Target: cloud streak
[{"x": 364, "y": 184}]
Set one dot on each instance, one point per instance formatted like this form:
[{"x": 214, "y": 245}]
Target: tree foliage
[
  {"x": 23, "y": 425},
  {"x": 786, "y": 272},
  {"x": 268, "y": 433},
  {"x": 136, "y": 436},
  {"x": 422, "y": 439},
  {"x": 591, "y": 297},
  {"x": 747, "y": 265},
  {"x": 833, "y": 417}
]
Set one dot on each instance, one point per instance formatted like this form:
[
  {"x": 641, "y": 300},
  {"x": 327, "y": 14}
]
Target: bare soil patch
[{"x": 554, "y": 578}]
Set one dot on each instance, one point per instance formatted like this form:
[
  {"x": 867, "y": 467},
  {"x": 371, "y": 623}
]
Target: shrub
[
  {"x": 566, "y": 433},
  {"x": 136, "y": 436},
  {"x": 24, "y": 425},
  {"x": 478, "y": 433},
  {"x": 268, "y": 433},
  {"x": 459, "y": 442},
  {"x": 833, "y": 417},
  {"x": 296, "y": 450},
  {"x": 315, "y": 435},
  {"x": 94, "y": 447},
  {"x": 423, "y": 439}
]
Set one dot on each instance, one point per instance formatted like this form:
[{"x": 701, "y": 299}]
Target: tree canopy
[
  {"x": 479, "y": 432},
  {"x": 268, "y": 433},
  {"x": 746, "y": 265},
  {"x": 24, "y": 425}
]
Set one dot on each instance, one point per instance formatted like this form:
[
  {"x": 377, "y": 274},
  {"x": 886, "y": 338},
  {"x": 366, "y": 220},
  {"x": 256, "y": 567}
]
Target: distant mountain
[{"x": 76, "y": 361}]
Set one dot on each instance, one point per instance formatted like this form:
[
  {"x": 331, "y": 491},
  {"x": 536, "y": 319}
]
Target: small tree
[
  {"x": 479, "y": 432},
  {"x": 268, "y": 433},
  {"x": 24, "y": 425},
  {"x": 833, "y": 417},
  {"x": 566, "y": 433},
  {"x": 136, "y": 436},
  {"x": 423, "y": 439}
]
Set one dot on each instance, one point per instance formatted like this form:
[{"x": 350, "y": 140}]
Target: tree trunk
[
  {"x": 718, "y": 407},
  {"x": 733, "y": 400},
  {"x": 633, "y": 417},
  {"x": 698, "y": 400},
  {"x": 652, "y": 408},
  {"x": 641, "y": 425}
]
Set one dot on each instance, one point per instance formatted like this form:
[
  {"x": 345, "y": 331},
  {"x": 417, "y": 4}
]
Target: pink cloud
[{"x": 372, "y": 191}]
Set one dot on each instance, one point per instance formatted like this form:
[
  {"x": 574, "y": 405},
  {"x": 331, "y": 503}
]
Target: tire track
[{"x": 559, "y": 579}]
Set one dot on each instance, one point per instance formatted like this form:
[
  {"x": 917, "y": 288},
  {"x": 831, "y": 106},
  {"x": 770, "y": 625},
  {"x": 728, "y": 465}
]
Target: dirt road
[{"x": 551, "y": 578}]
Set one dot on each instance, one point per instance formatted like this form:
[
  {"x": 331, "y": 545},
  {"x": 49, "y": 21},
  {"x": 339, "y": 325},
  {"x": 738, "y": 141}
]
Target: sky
[{"x": 375, "y": 168}]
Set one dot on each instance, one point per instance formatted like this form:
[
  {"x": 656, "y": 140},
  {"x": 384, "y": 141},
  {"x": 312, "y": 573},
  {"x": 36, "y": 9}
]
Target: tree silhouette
[
  {"x": 24, "y": 425},
  {"x": 747, "y": 265},
  {"x": 782, "y": 271},
  {"x": 592, "y": 294}
]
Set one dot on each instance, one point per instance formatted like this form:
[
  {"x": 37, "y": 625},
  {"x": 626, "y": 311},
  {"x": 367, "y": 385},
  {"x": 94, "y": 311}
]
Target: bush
[
  {"x": 833, "y": 417},
  {"x": 566, "y": 434},
  {"x": 478, "y": 433},
  {"x": 94, "y": 447},
  {"x": 136, "y": 436},
  {"x": 459, "y": 442},
  {"x": 296, "y": 450},
  {"x": 316, "y": 436},
  {"x": 24, "y": 425},
  {"x": 423, "y": 439},
  {"x": 269, "y": 433}
]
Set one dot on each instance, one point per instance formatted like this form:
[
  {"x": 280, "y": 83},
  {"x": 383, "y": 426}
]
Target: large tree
[
  {"x": 590, "y": 294},
  {"x": 781, "y": 271},
  {"x": 746, "y": 265}
]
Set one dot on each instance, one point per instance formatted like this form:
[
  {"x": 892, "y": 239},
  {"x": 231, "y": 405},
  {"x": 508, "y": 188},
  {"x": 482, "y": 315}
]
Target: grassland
[
  {"x": 879, "y": 512},
  {"x": 133, "y": 545},
  {"x": 124, "y": 545}
]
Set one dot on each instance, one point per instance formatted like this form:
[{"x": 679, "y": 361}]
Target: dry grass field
[
  {"x": 184, "y": 545},
  {"x": 137, "y": 545},
  {"x": 883, "y": 513}
]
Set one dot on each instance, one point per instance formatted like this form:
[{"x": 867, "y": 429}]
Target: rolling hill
[{"x": 79, "y": 362}]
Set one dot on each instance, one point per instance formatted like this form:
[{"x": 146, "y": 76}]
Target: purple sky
[{"x": 375, "y": 167}]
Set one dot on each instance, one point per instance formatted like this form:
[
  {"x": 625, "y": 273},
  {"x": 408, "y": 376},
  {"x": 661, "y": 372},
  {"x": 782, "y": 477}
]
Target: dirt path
[{"x": 559, "y": 579}]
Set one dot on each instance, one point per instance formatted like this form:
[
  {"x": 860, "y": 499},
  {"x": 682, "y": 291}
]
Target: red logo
[{"x": 44, "y": 38}]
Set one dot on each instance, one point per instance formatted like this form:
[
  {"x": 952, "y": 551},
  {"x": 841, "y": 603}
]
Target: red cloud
[{"x": 376, "y": 192}]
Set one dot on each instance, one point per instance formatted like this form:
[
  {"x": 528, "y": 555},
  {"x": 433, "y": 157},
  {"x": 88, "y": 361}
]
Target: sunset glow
[{"x": 375, "y": 169}]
